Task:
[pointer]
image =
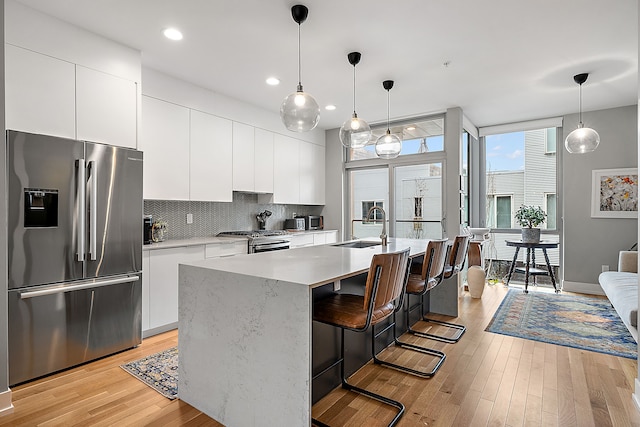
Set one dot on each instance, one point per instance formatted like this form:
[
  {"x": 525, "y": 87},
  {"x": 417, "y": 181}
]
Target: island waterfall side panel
[{"x": 245, "y": 347}]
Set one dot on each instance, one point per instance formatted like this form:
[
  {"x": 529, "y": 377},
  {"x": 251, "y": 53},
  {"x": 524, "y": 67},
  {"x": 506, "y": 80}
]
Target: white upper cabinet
[
  {"x": 40, "y": 93},
  {"x": 164, "y": 138},
  {"x": 312, "y": 175},
  {"x": 243, "y": 157},
  {"x": 263, "y": 167},
  {"x": 106, "y": 108},
  {"x": 210, "y": 169},
  {"x": 54, "y": 97},
  {"x": 286, "y": 170},
  {"x": 252, "y": 159}
]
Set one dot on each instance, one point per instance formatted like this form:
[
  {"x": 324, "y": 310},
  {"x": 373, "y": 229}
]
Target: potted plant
[
  {"x": 530, "y": 217},
  {"x": 159, "y": 230}
]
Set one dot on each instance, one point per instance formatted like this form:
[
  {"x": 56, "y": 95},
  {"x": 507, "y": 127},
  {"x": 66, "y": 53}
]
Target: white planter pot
[{"x": 476, "y": 281}]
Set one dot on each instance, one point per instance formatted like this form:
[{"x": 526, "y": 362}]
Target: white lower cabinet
[
  {"x": 218, "y": 250},
  {"x": 301, "y": 240},
  {"x": 163, "y": 283},
  {"x": 146, "y": 258},
  {"x": 313, "y": 239},
  {"x": 331, "y": 236}
]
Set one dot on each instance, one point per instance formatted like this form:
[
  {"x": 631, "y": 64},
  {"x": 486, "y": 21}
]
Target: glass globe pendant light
[
  {"x": 582, "y": 140},
  {"x": 355, "y": 132},
  {"x": 299, "y": 111},
  {"x": 388, "y": 146}
]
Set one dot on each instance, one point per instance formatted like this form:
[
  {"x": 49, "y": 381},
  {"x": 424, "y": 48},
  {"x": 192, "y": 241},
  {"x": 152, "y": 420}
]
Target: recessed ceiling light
[
  {"x": 172, "y": 34},
  {"x": 411, "y": 128},
  {"x": 273, "y": 81},
  {"x": 330, "y": 107}
]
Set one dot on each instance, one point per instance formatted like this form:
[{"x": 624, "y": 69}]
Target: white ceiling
[{"x": 508, "y": 60}]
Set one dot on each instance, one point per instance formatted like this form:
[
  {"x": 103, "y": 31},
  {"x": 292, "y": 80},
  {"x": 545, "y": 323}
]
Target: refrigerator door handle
[
  {"x": 81, "y": 208},
  {"x": 93, "y": 209},
  {"x": 85, "y": 285}
]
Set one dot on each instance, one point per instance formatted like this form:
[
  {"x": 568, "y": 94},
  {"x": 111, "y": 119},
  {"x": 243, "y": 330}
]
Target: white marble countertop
[
  {"x": 312, "y": 265},
  {"x": 176, "y": 243}
]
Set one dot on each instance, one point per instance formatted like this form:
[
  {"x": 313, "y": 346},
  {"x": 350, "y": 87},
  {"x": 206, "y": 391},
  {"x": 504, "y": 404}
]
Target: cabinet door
[
  {"x": 331, "y": 236},
  {"x": 264, "y": 161},
  {"x": 311, "y": 174},
  {"x": 106, "y": 108},
  {"x": 319, "y": 239},
  {"x": 243, "y": 157},
  {"x": 146, "y": 259},
  {"x": 39, "y": 93},
  {"x": 301, "y": 240},
  {"x": 163, "y": 282},
  {"x": 165, "y": 142},
  {"x": 218, "y": 250},
  {"x": 286, "y": 170},
  {"x": 210, "y": 169}
]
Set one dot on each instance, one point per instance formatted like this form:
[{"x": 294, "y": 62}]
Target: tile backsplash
[{"x": 210, "y": 218}]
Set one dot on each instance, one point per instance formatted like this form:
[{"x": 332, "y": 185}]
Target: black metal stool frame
[
  {"x": 431, "y": 352},
  {"x": 345, "y": 385},
  {"x": 460, "y": 328}
]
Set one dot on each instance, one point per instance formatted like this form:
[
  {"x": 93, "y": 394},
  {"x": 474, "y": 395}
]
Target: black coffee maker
[{"x": 147, "y": 222}]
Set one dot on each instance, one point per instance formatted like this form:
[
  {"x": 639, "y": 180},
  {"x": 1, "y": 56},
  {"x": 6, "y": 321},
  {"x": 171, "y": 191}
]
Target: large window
[
  {"x": 523, "y": 166},
  {"x": 521, "y": 169},
  {"x": 420, "y": 136}
]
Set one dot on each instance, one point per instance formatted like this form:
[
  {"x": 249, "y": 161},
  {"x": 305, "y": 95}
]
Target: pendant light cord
[
  {"x": 299, "y": 66},
  {"x": 354, "y": 90},
  {"x": 388, "y": 120},
  {"x": 580, "y": 109}
]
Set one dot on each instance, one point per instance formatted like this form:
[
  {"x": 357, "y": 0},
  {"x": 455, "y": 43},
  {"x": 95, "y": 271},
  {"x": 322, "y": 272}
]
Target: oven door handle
[{"x": 271, "y": 246}]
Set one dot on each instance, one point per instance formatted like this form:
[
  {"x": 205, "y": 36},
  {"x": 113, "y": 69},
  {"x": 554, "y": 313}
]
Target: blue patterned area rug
[
  {"x": 570, "y": 320},
  {"x": 159, "y": 371}
]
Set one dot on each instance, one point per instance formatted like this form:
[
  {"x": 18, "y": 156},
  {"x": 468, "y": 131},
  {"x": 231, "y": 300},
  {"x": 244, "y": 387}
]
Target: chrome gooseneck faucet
[{"x": 383, "y": 236}]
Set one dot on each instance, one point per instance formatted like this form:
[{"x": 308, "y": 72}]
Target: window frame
[{"x": 493, "y": 206}]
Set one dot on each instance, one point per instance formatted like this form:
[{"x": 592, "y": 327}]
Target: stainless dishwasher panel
[{"x": 56, "y": 327}]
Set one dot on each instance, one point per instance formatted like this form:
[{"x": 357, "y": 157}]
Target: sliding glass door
[
  {"x": 413, "y": 207},
  {"x": 418, "y": 201}
]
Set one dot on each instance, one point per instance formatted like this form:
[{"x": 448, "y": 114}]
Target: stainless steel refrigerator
[{"x": 74, "y": 252}]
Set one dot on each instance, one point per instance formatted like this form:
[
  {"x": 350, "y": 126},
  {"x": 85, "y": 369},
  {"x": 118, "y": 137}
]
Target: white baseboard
[
  {"x": 582, "y": 288},
  {"x": 6, "y": 407},
  {"x": 636, "y": 396}
]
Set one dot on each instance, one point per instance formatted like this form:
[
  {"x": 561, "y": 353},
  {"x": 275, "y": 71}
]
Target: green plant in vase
[{"x": 529, "y": 218}]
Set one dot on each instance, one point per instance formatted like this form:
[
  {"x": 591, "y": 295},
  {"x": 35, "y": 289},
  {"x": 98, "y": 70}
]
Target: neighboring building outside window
[
  {"x": 550, "y": 141},
  {"x": 550, "y": 209},
  {"x": 499, "y": 213},
  {"x": 375, "y": 215}
]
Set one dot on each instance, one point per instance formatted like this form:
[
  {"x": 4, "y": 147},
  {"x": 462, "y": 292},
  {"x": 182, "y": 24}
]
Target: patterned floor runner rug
[
  {"x": 582, "y": 322},
  {"x": 159, "y": 371}
]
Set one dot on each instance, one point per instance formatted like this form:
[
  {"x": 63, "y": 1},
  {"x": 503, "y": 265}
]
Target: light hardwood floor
[{"x": 486, "y": 380}]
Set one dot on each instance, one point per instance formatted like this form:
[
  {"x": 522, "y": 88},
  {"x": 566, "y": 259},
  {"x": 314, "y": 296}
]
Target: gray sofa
[{"x": 621, "y": 287}]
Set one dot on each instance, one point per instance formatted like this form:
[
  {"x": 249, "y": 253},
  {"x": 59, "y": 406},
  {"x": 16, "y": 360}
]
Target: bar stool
[
  {"x": 419, "y": 285},
  {"x": 384, "y": 287}
]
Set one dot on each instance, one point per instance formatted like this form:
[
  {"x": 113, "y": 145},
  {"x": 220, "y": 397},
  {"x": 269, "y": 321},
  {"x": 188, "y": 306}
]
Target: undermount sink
[{"x": 358, "y": 244}]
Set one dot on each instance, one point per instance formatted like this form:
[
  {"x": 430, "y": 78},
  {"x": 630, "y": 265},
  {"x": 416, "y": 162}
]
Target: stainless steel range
[{"x": 262, "y": 240}]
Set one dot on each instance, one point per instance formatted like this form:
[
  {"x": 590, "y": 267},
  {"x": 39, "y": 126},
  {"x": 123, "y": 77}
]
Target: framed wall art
[{"x": 614, "y": 193}]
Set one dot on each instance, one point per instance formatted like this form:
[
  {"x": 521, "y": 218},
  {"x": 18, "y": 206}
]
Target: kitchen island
[{"x": 245, "y": 325}]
